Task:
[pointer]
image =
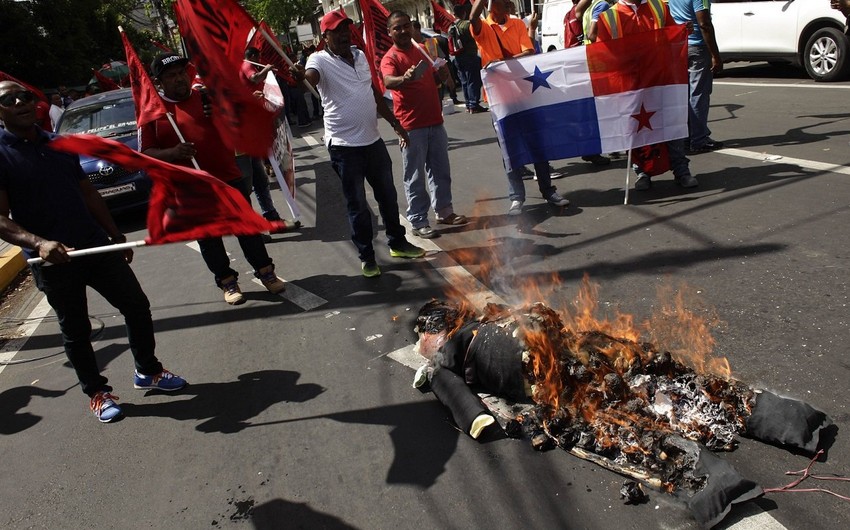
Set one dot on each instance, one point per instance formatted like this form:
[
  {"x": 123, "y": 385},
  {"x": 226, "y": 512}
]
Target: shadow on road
[
  {"x": 279, "y": 513},
  {"x": 14, "y": 400},
  {"x": 227, "y": 407}
]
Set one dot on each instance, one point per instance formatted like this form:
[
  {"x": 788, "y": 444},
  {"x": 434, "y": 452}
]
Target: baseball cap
[
  {"x": 332, "y": 20},
  {"x": 164, "y": 60}
]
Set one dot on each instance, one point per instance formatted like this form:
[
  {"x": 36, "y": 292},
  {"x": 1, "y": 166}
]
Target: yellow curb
[{"x": 11, "y": 263}]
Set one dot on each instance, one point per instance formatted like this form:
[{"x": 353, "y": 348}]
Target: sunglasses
[{"x": 9, "y": 100}]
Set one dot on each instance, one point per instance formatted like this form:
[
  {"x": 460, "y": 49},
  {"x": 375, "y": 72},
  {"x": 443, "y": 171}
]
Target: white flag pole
[
  {"x": 628, "y": 169},
  {"x": 96, "y": 250},
  {"x": 180, "y": 137},
  {"x": 286, "y": 58}
]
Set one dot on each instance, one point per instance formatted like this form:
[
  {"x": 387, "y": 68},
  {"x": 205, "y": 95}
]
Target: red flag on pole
[
  {"x": 442, "y": 18},
  {"x": 161, "y": 46},
  {"x": 376, "y": 38},
  {"x": 149, "y": 106},
  {"x": 185, "y": 204},
  {"x": 216, "y": 40},
  {"x": 105, "y": 83},
  {"x": 268, "y": 55}
]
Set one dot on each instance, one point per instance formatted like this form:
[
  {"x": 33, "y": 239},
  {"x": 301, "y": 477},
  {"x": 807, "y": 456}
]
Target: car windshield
[{"x": 105, "y": 119}]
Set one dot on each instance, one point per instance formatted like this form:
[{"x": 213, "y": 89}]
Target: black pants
[{"x": 108, "y": 274}]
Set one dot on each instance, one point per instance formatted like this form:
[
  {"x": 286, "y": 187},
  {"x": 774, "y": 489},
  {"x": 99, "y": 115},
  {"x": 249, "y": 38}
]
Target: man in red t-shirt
[
  {"x": 408, "y": 72},
  {"x": 204, "y": 145}
]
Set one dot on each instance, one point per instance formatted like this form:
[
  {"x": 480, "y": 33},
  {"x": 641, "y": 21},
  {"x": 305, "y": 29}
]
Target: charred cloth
[{"x": 620, "y": 403}]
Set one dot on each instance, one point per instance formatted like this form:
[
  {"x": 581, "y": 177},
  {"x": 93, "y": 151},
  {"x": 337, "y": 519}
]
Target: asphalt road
[{"x": 298, "y": 416}]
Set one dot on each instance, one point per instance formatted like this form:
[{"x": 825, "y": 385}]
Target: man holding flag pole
[{"x": 55, "y": 210}]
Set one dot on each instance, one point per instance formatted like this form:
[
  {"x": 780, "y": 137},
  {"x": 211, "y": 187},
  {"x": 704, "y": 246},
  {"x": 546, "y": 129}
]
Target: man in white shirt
[
  {"x": 56, "y": 110},
  {"x": 341, "y": 74}
]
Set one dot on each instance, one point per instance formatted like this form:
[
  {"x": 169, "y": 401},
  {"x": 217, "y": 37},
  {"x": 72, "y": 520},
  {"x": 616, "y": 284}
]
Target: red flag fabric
[
  {"x": 376, "y": 38},
  {"x": 38, "y": 93},
  {"x": 185, "y": 204},
  {"x": 442, "y": 18},
  {"x": 268, "y": 54},
  {"x": 216, "y": 40},
  {"x": 105, "y": 83},
  {"x": 161, "y": 46},
  {"x": 149, "y": 106}
]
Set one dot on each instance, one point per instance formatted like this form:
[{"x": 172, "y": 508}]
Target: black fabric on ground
[
  {"x": 494, "y": 361},
  {"x": 453, "y": 392},
  {"x": 788, "y": 422},
  {"x": 724, "y": 487}
]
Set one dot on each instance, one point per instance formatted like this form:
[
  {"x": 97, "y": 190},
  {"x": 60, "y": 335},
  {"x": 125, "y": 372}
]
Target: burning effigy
[{"x": 606, "y": 397}]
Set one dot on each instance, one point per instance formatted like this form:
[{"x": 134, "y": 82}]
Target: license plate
[{"x": 117, "y": 190}]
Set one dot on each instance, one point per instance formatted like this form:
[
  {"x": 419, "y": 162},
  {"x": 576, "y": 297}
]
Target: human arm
[
  {"x": 475, "y": 16},
  {"x": 97, "y": 207},
  {"x": 175, "y": 154},
  {"x": 581, "y": 7},
  {"x": 12, "y": 232},
  {"x": 261, "y": 74},
  {"x": 707, "y": 30},
  {"x": 385, "y": 113}
]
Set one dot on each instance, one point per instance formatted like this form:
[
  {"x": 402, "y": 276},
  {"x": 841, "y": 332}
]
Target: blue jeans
[
  {"x": 700, "y": 80},
  {"x": 679, "y": 163},
  {"x": 215, "y": 255},
  {"x": 356, "y": 166},
  {"x": 469, "y": 72},
  {"x": 253, "y": 171},
  {"x": 426, "y": 162},
  {"x": 111, "y": 276},
  {"x": 516, "y": 186}
]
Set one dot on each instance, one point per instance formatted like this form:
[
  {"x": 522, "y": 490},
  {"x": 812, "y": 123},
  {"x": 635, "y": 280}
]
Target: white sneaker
[
  {"x": 516, "y": 208},
  {"x": 555, "y": 199}
]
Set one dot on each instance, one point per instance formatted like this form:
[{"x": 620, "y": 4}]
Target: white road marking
[
  {"x": 781, "y": 85},
  {"x": 13, "y": 346},
  {"x": 779, "y": 159},
  {"x": 194, "y": 246},
  {"x": 298, "y": 296},
  {"x": 309, "y": 140}
]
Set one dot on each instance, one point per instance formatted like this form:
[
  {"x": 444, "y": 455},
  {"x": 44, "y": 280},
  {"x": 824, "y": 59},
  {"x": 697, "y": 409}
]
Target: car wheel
[{"x": 825, "y": 55}]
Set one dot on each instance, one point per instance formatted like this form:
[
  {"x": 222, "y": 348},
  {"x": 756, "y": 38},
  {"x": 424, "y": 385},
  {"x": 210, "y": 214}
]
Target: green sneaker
[
  {"x": 406, "y": 250},
  {"x": 370, "y": 269}
]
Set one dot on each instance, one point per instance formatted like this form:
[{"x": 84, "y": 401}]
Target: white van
[{"x": 552, "y": 24}]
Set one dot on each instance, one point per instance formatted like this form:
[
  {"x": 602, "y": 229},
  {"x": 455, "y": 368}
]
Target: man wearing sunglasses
[{"x": 48, "y": 207}]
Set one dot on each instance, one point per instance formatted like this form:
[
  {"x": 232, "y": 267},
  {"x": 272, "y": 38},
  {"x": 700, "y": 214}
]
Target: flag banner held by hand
[
  {"x": 149, "y": 105},
  {"x": 375, "y": 36},
  {"x": 442, "y": 18},
  {"x": 185, "y": 204},
  {"x": 608, "y": 96}
]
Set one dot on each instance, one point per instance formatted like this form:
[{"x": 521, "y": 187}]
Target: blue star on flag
[{"x": 538, "y": 79}]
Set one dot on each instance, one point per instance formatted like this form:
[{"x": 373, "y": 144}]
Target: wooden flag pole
[{"x": 96, "y": 250}]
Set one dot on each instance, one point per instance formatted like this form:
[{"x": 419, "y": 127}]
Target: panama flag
[{"x": 608, "y": 96}]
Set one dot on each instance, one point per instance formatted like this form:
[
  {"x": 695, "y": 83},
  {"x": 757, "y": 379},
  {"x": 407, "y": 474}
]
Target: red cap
[{"x": 332, "y": 20}]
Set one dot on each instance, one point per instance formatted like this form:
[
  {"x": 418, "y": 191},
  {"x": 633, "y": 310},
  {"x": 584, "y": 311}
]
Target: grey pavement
[{"x": 299, "y": 417}]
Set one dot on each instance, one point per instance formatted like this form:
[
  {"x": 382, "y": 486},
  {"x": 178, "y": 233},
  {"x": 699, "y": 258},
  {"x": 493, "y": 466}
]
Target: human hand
[
  {"x": 533, "y": 22},
  {"x": 716, "y": 65},
  {"x": 183, "y": 151},
  {"x": 53, "y": 252},
  {"x": 403, "y": 139}
]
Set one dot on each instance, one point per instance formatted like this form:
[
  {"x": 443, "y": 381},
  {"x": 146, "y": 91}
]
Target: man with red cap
[{"x": 358, "y": 155}]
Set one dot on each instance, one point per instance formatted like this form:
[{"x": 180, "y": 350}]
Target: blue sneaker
[
  {"x": 164, "y": 380},
  {"x": 104, "y": 407}
]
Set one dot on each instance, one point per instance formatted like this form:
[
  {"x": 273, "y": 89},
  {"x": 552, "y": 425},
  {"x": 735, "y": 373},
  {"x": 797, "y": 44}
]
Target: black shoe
[
  {"x": 709, "y": 145},
  {"x": 597, "y": 160},
  {"x": 477, "y": 109},
  {"x": 524, "y": 172}
]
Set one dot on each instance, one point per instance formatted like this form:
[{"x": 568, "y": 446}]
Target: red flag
[
  {"x": 185, "y": 204},
  {"x": 38, "y": 93},
  {"x": 376, "y": 38},
  {"x": 268, "y": 54},
  {"x": 105, "y": 83},
  {"x": 442, "y": 18},
  {"x": 149, "y": 106},
  {"x": 216, "y": 40}
]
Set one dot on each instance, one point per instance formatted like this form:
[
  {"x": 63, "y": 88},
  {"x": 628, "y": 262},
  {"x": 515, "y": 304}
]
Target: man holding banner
[
  {"x": 628, "y": 17},
  {"x": 358, "y": 154},
  {"x": 501, "y": 37},
  {"x": 56, "y": 209},
  {"x": 204, "y": 143}
]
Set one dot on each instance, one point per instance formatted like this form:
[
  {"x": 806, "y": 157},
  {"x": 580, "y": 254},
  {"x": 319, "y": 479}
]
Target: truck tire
[{"x": 825, "y": 55}]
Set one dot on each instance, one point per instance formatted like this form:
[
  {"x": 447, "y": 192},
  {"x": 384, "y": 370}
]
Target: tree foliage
[
  {"x": 280, "y": 14},
  {"x": 52, "y": 42}
]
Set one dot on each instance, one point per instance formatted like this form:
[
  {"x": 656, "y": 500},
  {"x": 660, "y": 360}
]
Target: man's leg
[
  {"x": 475, "y": 81},
  {"x": 439, "y": 171},
  {"x": 112, "y": 277},
  {"x": 216, "y": 258},
  {"x": 65, "y": 289},
  {"x": 680, "y": 164},
  {"x": 414, "y": 177},
  {"x": 252, "y": 246},
  {"x": 463, "y": 74},
  {"x": 260, "y": 182},
  {"x": 379, "y": 174},
  {"x": 350, "y": 163},
  {"x": 700, "y": 81}
]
